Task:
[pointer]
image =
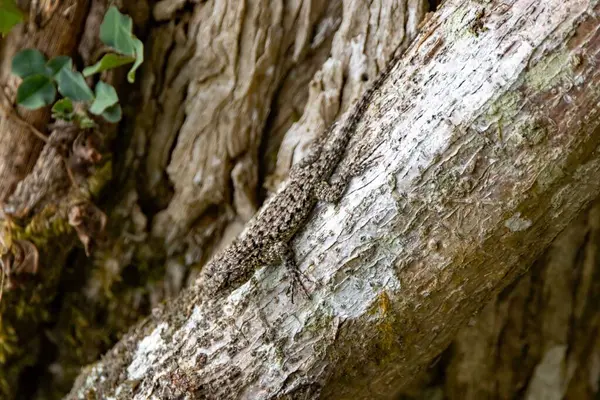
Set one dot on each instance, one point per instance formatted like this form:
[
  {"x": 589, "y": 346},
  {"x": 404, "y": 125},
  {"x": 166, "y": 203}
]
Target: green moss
[
  {"x": 455, "y": 26},
  {"x": 8, "y": 342},
  {"x": 25, "y": 307},
  {"x": 549, "y": 72},
  {"x": 45, "y": 227},
  {"x": 99, "y": 180},
  {"x": 506, "y": 106},
  {"x": 319, "y": 321}
]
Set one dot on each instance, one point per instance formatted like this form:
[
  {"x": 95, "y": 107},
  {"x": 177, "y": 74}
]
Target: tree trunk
[
  {"x": 543, "y": 333},
  {"x": 485, "y": 141}
]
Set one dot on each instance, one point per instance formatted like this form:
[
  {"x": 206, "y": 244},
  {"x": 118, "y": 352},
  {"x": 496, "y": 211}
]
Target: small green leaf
[
  {"x": 113, "y": 114},
  {"x": 106, "y": 96},
  {"x": 29, "y": 62},
  {"x": 109, "y": 61},
  {"x": 139, "y": 59},
  {"x": 84, "y": 121},
  {"x": 116, "y": 31},
  {"x": 63, "y": 106},
  {"x": 10, "y": 15},
  {"x": 57, "y": 63},
  {"x": 36, "y": 91},
  {"x": 63, "y": 116},
  {"x": 71, "y": 84}
]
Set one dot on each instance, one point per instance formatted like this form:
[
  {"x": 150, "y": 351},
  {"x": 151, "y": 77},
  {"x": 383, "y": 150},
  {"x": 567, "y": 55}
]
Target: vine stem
[{"x": 9, "y": 112}]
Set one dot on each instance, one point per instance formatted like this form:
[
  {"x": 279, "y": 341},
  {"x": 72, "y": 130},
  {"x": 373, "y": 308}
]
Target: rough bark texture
[
  {"x": 225, "y": 63},
  {"x": 266, "y": 53},
  {"x": 544, "y": 333},
  {"x": 486, "y": 137},
  {"x": 539, "y": 338}
]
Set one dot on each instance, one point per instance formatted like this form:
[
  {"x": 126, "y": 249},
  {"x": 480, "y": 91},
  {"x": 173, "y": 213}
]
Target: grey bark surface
[
  {"x": 227, "y": 76},
  {"x": 486, "y": 140}
]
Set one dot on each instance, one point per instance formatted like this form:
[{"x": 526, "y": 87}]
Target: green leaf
[
  {"x": 109, "y": 61},
  {"x": 57, "y": 63},
  {"x": 139, "y": 59},
  {"x": 29, "y": 62},
  {"x": 71, "y": 84},
  {"x": 116, "y": 31},
  {"x": 84, "y": 121},
  {"x": 36, "y": 91},
  {"x": 63, "y": 106},
  {"x": 63, "y": 116},
  {"x": 113, "y": 114},
  {"x": 10, "y": 15},
  {"x": 106, "y": 96}
]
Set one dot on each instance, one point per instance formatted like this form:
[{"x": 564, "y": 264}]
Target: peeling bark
[{"x": 486, "y": 138}]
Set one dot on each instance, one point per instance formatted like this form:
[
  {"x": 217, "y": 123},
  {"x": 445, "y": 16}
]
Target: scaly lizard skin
[{"x": 266, "y": 239}]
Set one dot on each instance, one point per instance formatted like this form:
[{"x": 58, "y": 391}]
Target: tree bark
[
  {"x": 543, "y": 333},
  {"x": 83, "y": 304},
  {"x": 486, "y": 139},
  {"x": 539, "y": 338}
]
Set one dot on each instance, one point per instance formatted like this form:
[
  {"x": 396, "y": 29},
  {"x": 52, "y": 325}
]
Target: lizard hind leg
[{"x": 284, "y": 252}]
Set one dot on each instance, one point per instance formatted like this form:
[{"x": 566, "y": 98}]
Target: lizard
[{"x": 266, "y": 239}]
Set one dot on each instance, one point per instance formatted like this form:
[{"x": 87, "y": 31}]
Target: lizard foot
[
  {"x": 285, "y": 252},
  {"x": 296, "y": 282}
]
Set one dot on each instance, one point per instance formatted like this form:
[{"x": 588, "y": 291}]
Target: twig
[
  {"x": 3, "y": 273},
  {"x": 69, "y": 172},
  {"x": 9, "y": 113}
]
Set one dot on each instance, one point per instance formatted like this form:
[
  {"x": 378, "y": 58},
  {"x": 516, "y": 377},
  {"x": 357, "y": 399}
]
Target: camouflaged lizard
[{"x": 266, "y": 240}]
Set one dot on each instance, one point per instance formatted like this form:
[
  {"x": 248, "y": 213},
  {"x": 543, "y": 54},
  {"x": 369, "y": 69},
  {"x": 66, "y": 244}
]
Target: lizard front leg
[
  {"x": 333, "y": 192},
  {"x": 282, "y": 251},
  {"x": 350, "y": 167}
]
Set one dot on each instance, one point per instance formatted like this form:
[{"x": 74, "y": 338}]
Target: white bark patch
[
  {"x": 147, "y": 352},
  {"x": 517, "y": 224}
]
